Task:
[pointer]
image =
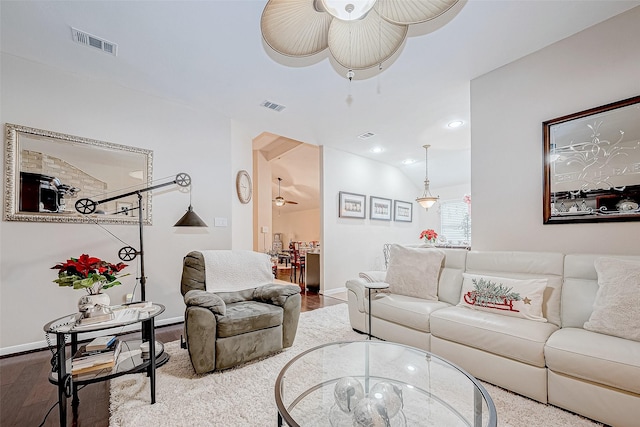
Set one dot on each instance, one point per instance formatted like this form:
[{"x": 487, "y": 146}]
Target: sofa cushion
[
  {"x": 411, "y": 312},
  {"x": 518, "y": 339},
  {"x": 599, "y": 358},
  {"x": 414, "y": 272},
  {"x": 616, "y": 310},
  {"x": 248, "y": 316},
  {"x": 500, "y": 295}
]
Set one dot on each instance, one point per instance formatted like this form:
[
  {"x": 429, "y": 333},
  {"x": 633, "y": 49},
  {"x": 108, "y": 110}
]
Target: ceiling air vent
[
  {"x": 367, "y": 135},
  {"x": 273, "y": 106},
  {"x": 90, "y": 40}
]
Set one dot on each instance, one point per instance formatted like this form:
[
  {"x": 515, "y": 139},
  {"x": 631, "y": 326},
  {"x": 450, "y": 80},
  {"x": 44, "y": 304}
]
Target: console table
[{"x": 130, "y": 360}]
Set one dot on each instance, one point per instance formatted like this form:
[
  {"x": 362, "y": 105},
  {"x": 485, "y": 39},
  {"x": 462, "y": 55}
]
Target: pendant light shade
[
  {"x": 426, "y": 200},
  {"x": 190, "y": 219}
]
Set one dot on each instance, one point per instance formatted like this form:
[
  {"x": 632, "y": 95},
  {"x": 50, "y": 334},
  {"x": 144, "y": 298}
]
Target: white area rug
[{"x": 244, "y": 396}]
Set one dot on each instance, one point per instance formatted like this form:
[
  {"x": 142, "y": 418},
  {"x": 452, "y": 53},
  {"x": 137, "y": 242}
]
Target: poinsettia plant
[
  {"x": 429, "y": 235},
  {"x": 89, "y": 273}
]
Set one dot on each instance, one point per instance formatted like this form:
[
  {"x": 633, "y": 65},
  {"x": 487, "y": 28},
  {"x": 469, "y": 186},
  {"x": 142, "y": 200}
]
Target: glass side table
[{"x": 129, "y": 361}]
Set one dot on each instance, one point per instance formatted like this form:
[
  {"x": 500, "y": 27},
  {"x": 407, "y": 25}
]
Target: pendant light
[
  {"x": 190, "y": 218},
  {"x": 279, "y": 201},
  {"x": 427, "y": 200}
]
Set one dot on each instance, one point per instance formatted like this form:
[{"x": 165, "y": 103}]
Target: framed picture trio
[{"x": 352, "y": 205}]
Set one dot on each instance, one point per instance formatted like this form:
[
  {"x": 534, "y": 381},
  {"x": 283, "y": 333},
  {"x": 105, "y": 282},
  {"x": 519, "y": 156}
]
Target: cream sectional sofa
[{"x": 556, "y": 362}]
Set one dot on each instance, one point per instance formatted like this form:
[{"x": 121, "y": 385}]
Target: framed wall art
[
  {"x": 402, "y": 211},
  {"x": 352, "y": 205},
  {"x": 592, "y": 165},
  {"x": 380, "y": 208}
]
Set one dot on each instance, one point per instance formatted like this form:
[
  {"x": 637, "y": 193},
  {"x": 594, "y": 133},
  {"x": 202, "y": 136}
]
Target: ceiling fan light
[
  {"x": 360, "y": 34},
  {"x": 348, "y": 10},
  {"x": 279, "y": 201}
]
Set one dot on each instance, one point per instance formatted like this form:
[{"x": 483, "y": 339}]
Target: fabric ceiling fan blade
[
  {"x": 363, "y": 44},
  {"x": 294, "y": 27},
  {"x": 412, "y": 11}
]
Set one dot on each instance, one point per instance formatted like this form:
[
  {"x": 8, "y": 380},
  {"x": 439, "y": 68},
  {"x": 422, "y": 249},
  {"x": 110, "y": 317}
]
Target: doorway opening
[{"x": 290, "y": 169}]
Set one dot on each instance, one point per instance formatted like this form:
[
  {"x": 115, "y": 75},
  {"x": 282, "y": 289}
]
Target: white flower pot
[{"x": 87, "y": 302}]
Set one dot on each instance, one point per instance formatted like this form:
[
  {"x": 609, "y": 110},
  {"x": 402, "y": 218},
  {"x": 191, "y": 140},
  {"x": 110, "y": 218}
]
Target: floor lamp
[{"x": 128, "y": 253}]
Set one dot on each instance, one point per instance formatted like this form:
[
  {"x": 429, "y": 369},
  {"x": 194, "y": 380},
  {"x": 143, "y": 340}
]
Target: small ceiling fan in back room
[{"x": 280, "y": 201}]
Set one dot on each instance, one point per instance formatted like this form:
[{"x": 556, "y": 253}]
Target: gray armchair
[{"x": 234, "y": 312}]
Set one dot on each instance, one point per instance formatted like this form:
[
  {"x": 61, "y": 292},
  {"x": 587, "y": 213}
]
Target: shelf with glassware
[{"x": 134, "y": 355}]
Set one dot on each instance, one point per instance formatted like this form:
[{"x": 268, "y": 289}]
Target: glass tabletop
[
  {"x": 124, "y": 314},
  {"x": 379, "y": 384}
]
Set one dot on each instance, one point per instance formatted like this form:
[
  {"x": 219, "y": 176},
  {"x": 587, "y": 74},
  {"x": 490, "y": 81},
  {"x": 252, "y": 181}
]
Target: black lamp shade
[{"x": 190, "y": 219}]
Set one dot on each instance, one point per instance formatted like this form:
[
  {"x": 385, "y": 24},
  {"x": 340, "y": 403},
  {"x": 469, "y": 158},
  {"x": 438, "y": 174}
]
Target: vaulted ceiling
[{"x": 210, "y": 55}]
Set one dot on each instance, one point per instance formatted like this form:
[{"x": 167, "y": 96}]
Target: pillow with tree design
[{"x": 501, "y": 295}]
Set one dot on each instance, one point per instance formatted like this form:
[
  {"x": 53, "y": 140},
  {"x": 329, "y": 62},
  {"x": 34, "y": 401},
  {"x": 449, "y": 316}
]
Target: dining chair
[{"x": 297, "y": 263}]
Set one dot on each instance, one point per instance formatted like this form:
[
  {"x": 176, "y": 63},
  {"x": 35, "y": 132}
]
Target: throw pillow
[
  {"x": 501, "y": 295},
  {"x": 615, "y": 310},
  {"x": 414, "y": 272}
]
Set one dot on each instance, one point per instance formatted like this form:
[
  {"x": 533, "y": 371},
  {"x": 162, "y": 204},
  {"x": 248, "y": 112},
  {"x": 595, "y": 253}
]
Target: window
[{"x": 455, "y": 222}]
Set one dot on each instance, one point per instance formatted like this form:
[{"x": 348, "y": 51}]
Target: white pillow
[
  {"x": 616, "y": 310},
  {"x": 414, "y": 272},
  {"x": 501, "y": 295}
]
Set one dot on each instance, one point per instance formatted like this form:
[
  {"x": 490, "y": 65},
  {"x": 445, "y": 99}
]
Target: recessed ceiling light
[
  {"x": 455, "y": 124},
  {"x": 408, "y": 161},
  {"x": 377, "y": 150}
]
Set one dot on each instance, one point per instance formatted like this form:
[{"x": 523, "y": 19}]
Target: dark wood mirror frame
[{"x": 592, "y": 165}]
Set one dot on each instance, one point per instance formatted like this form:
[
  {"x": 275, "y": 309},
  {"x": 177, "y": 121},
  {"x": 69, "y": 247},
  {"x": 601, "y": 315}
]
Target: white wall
[
  {"x": 183, "y": 140},
  {"x": 592, "y": 68},
  {"x": 299, "y": 226},
  {"x": 242, "y": 214},
  {"x": 353, "y": 245}
]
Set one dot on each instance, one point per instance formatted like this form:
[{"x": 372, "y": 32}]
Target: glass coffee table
[{"x": 371, "y": 383}]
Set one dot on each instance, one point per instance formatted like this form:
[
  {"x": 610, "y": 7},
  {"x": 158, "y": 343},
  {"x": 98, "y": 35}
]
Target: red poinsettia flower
[
  {"x": 429, "y": 235},
  {"x": 87, "y": 272}
]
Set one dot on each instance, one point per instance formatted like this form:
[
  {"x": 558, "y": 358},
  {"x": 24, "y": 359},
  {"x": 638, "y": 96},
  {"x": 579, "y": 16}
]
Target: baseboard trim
[
  {"x": 42, "y": 345},
  {"x": 334, "y": 291}
]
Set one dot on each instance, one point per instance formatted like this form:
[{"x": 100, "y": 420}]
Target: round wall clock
[{"x": 243, "y": 186}]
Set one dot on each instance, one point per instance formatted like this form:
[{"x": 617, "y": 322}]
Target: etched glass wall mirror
[
  {"x": 46, "y": 173},
  {"x": 592, "y": 165}
]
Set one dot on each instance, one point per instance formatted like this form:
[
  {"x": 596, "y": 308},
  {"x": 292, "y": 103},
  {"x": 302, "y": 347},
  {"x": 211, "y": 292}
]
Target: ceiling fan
[{"x": 280, "y": 201}]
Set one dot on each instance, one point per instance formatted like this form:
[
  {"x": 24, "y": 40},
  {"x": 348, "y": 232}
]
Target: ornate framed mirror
[
  {"x": 47, "y": 172},
  {"x": 592, "y": 165}
]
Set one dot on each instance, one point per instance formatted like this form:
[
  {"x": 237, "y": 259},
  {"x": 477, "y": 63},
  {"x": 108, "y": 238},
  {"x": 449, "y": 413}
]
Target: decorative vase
[{"x": 89, "y": 301}]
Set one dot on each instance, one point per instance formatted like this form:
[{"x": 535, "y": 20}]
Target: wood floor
[{"x": 26, "y": 394}]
